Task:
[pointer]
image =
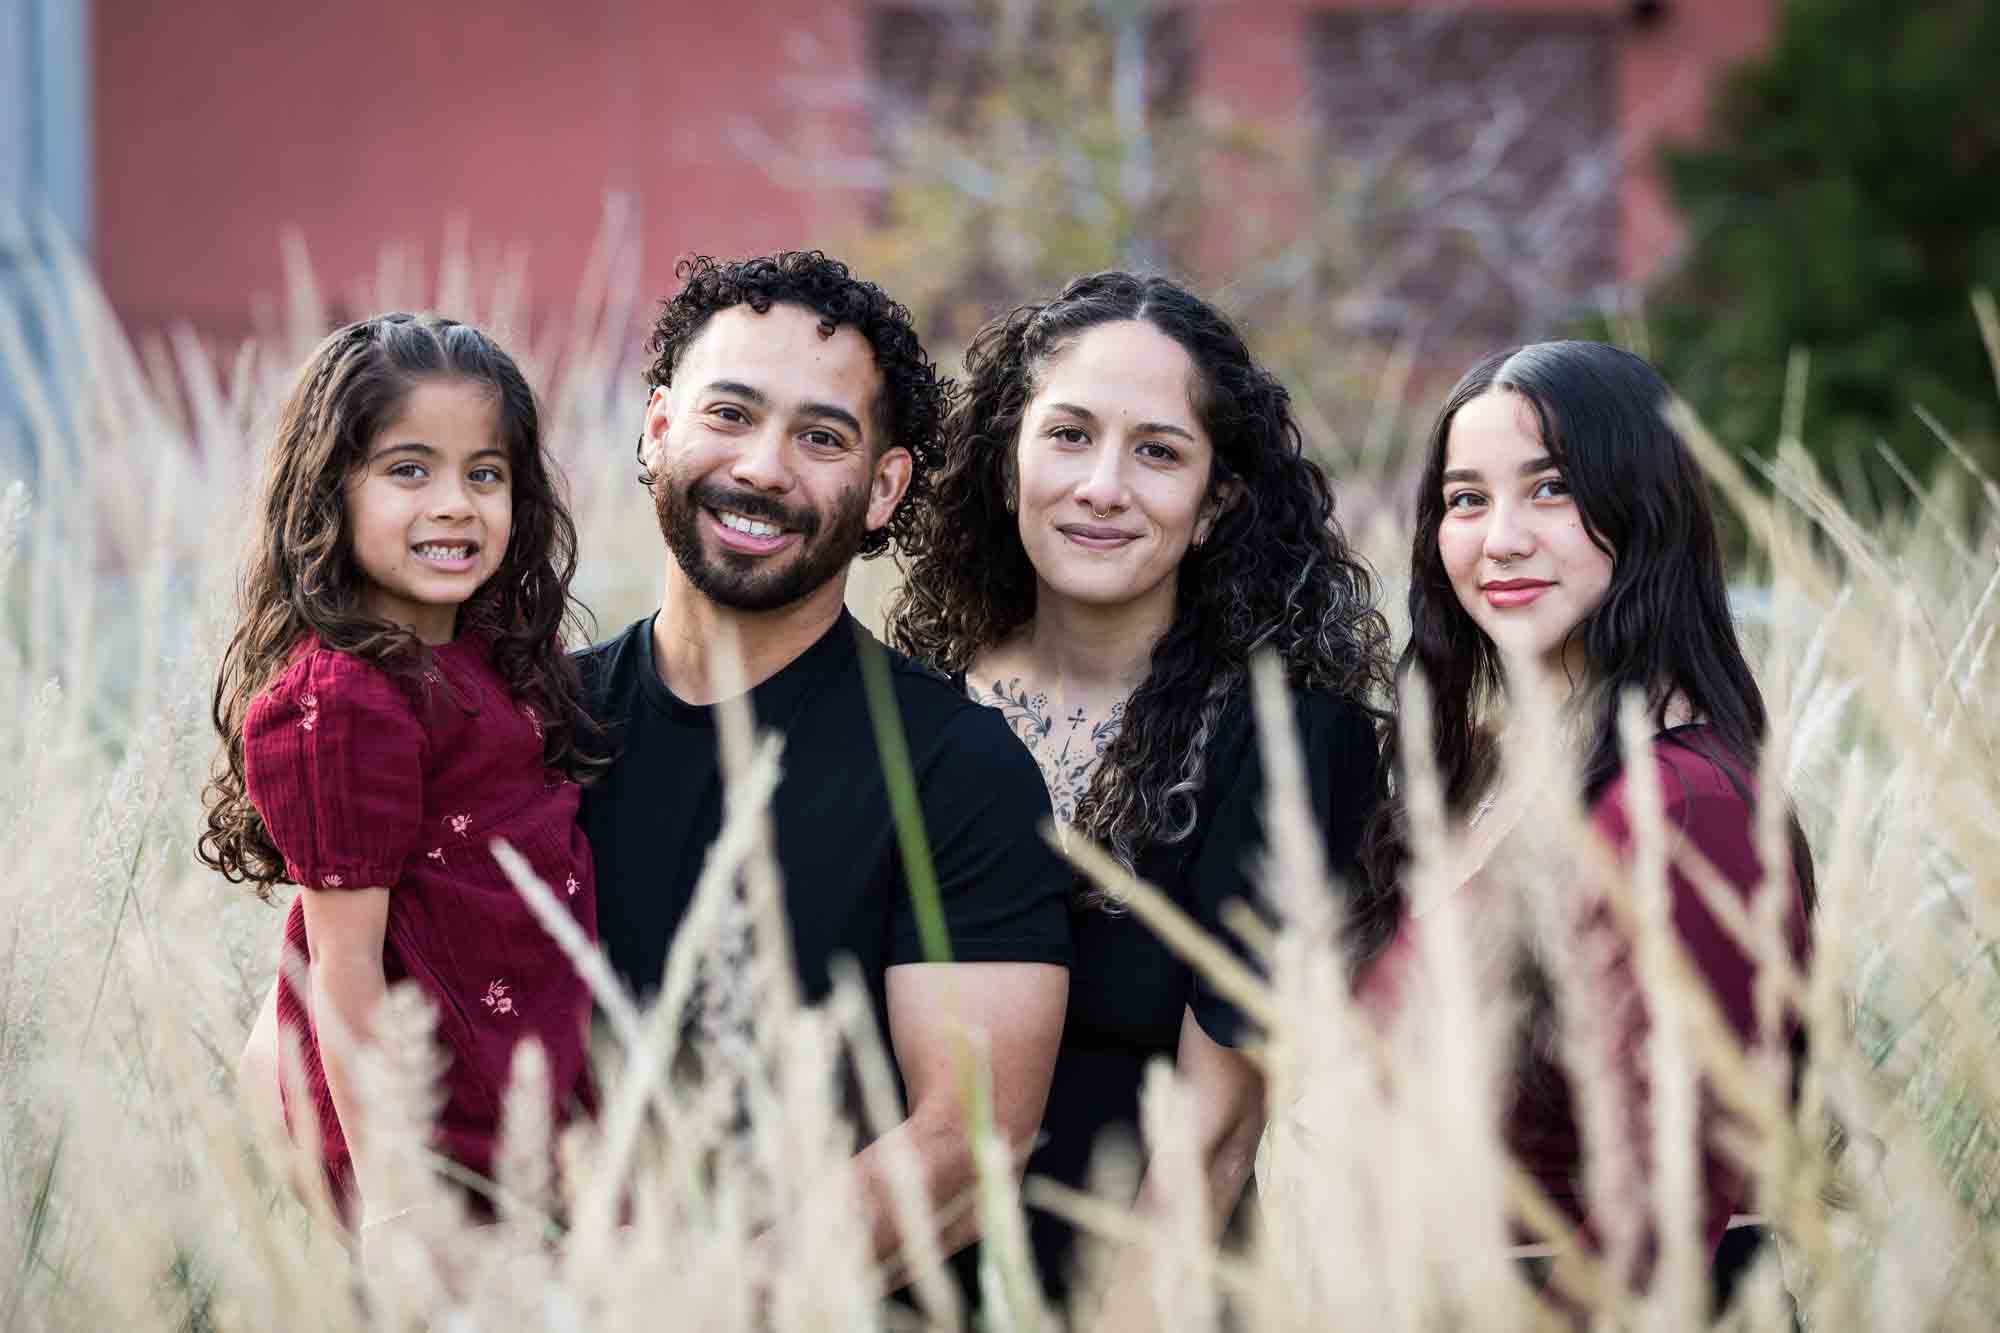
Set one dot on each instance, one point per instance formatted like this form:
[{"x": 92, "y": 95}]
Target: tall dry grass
[{"x": 137, "y": 1191}]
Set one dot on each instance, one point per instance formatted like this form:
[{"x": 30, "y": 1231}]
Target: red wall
[
  {"x": 1665, "y": 78},
  {"x": 375, "y": 121}
]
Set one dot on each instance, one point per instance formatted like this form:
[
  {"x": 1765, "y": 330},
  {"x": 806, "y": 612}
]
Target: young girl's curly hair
[
  {"x": 1275, "y": 571},
  {"x": 300, "y": 577}
]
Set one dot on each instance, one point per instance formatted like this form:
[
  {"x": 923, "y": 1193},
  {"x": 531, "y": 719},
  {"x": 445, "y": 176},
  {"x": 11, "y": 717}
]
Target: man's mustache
[{"x": 750, "y": 504}]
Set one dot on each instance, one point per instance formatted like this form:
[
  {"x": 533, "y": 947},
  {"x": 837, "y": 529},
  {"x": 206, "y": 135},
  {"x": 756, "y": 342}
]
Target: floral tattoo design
[{"x": 1067, "y": 748}]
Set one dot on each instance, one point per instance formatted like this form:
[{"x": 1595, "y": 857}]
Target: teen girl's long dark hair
[
  {"x": 1275, "y": 571},
  {"x": 300, "y": 577},
  {"x": 1663, "y": 628}
]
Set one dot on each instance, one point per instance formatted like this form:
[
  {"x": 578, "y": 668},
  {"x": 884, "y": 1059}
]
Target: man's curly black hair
[{"x": 914, "y": 399}]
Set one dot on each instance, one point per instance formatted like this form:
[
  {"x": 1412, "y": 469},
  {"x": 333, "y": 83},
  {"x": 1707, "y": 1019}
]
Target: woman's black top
[{"x": 1128, "y": 991}]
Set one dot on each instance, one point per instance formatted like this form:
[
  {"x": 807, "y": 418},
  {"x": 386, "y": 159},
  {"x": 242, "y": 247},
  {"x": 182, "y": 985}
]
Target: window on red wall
[
  {"x": 1470, "y": 167},
  {"x": 923, "y": 63}
]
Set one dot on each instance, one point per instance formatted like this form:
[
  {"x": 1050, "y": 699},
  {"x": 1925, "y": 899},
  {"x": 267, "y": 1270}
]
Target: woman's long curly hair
[
  {"x": 1274, "y": 572},
  {"x": 1663, "y": 628},
  {"x": 300, "y": 579}
]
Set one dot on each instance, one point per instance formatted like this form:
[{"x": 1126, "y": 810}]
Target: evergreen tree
[{"x": 1846, "y": 202}]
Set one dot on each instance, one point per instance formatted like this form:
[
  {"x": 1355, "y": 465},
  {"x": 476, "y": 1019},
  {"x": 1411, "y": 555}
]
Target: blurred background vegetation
[
  {"x": 1846, "y": 203},
  {"x": 1380, "y": 192}
]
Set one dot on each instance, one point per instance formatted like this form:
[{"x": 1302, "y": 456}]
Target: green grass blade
[{"x": 894, "y": 750}]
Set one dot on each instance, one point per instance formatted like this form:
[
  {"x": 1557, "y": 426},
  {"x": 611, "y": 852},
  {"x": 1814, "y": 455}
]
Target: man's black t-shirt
[{"x": 651, "y": 817}]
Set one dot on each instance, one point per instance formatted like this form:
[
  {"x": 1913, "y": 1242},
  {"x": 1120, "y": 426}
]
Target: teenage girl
[
  {"x": 1564, "y": 532},
  {"x": 396, "y": 696}
]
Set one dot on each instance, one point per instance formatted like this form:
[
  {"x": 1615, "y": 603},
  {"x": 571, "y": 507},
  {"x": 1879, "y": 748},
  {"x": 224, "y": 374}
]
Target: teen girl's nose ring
[{"x": 1095, "y": 512}]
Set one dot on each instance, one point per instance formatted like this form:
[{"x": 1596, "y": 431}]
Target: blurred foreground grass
[{"x": 135, "y": 1192}]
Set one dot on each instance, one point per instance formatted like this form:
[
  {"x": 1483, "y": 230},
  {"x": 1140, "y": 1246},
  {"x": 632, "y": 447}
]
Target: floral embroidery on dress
[
  {"x": 333, "y": 881},
  {"x": 571, "y": 885},
  {"x": 310, "y": 702},
  {"x": 534, "y": 719},
  {"x": 497, "y": 999},
  {"x": 459, "y": 823},
  {"x": 436, "y": 854}
]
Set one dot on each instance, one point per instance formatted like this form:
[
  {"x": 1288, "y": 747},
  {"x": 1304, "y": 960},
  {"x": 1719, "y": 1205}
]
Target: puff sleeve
[{"x": 333, "y": 756}]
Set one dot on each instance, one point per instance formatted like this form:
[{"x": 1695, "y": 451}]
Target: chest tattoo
[{"x": 1067, "y": 746}]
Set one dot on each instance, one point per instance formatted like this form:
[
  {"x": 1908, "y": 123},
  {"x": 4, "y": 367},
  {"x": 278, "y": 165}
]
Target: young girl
[
  {"x": 394, "y": 697},
  {"x": 1564, "y": 535}
]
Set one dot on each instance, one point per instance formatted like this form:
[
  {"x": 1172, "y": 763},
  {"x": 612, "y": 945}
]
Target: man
[{"x": 790, "y": 427}]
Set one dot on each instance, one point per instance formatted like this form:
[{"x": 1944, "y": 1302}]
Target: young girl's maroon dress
[{"x": 371, "y": 780}]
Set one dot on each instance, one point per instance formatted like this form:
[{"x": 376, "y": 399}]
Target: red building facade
[{"x": 726, "y": 128}]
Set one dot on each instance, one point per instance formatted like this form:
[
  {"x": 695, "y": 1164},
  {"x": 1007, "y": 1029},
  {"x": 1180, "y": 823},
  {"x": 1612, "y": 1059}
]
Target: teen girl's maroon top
[
  {"x": 371, "y": 780},
  {"x": 1705, "y": 810}
]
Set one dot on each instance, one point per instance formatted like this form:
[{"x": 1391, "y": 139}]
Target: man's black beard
[{"x": 739, "y": 581}]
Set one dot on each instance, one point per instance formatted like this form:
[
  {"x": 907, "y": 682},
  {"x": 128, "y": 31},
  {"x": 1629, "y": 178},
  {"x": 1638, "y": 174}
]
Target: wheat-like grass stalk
[
  {"x": 135, "y": 1190},
  {"x": 524, "y": 1162}
]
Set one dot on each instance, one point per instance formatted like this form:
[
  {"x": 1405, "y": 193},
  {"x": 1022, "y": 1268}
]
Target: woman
[
  {"x": 1564, "y": 539},
  {"x": 1124, "y": 515}
]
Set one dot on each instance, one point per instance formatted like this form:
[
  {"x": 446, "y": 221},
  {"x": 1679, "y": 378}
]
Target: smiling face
[
  {"x": 1513, "y": 542},
  {"x": 1113, "y": 468},
  {"x": 764, "y": 451},
  {"x": 431, "y": 508}
]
